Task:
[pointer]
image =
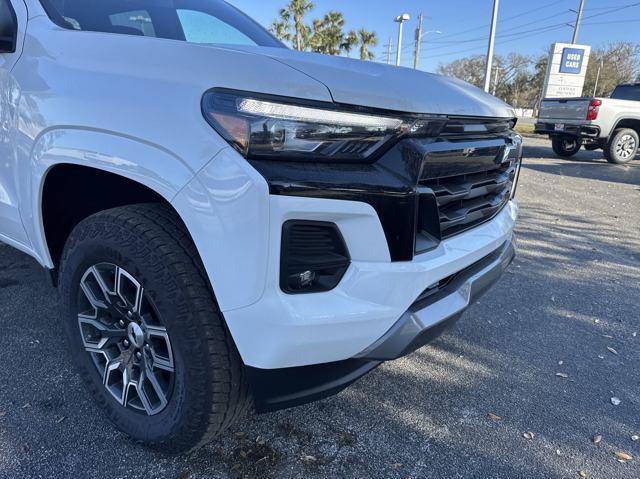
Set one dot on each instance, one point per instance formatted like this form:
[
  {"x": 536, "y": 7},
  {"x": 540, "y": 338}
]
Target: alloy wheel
[
  {"x": 122, "y": 332},
  {"x": 626, "y": 146}
]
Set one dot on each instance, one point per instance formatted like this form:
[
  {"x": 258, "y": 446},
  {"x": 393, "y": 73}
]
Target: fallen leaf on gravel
[
  {"x": 562, "y": 375},
  {"x": 397, "y": 465},
  {"x": 309, "y": 459},
  {"x": 635, "y": 438},
  {"x": 528, "y": 435},
  {"x": 241, "y": 435},
  {"x": 493, "y": 417},
  {"x": 3, "y": 414},
  {"x": 597, "y": 439},
  {"x": 583, "y": 474},
  {"x": 623, "y": 456},
  {"x": 183, "y": 475},
  {"x": 612, "y": 351},
  {"x": 260, "y": 441},
  {"x": 615, "y": 401}
]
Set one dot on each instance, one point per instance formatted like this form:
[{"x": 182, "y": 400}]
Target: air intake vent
[{"x": 313, "y": 257}]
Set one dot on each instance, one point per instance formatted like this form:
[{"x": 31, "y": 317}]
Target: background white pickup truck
[{"x": 612, "y": 124}]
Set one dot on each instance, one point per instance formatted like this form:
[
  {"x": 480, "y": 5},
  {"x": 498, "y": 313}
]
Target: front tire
[
  {"x": 622, "y": 146},
  {"x": 565, "y": 146},
  {"x": 145, "y": 330}
]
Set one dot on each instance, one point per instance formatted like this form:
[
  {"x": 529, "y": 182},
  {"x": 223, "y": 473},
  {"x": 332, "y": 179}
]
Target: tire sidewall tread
[
  {"x": 610, "y": 149},
  {"x": 151, "y": 243}
]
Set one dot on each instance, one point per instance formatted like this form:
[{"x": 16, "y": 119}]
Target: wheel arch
[
  {"x": 631, "y": 123},
  {"x": 78, "y": 172}
]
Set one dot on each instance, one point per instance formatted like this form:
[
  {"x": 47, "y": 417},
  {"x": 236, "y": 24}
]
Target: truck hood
[{"x": 376, "y": 85}]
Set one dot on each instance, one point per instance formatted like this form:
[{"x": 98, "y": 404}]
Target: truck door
[{"x": 13, "y": 20}]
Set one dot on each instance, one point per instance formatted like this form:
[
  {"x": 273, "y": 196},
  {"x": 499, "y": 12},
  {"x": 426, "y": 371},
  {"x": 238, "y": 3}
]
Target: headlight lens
[{"x": 265, "y": 128}]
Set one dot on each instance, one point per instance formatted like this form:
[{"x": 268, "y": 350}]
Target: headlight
[{"x": 261, "y": 127}]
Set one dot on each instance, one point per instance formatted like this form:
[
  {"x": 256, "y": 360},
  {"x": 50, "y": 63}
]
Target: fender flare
[{"x": 145, "y": 163}]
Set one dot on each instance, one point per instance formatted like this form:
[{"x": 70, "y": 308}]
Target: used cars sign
[{"x": 566, "y": 71}]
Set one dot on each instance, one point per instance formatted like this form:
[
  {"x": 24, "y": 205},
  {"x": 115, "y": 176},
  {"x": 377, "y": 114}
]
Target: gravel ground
[{"x": 572, "y": 293}]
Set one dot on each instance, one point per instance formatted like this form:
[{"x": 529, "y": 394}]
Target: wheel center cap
[{"x": 136, "y": 335}]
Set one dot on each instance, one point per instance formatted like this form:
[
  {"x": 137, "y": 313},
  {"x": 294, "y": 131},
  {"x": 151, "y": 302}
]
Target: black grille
[{"x": 467, "y": 200}]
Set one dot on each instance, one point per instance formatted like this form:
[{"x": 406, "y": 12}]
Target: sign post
[{"x": 566, "y": 70}]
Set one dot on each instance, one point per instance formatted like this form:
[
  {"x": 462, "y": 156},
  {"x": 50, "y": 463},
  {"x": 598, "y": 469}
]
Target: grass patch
[{"x": 525, "y": 128}]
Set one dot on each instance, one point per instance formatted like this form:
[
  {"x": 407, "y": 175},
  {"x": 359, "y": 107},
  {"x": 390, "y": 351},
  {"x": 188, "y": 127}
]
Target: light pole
[
  {"x": 576, "y": 28},
  {"x": 492, "y": 39},
  {"x": 600, "y": 68},
  {"x": 495, "y": 81},
  {"x": 419, "y": 37},
  {"x": 400, "y": 19}
]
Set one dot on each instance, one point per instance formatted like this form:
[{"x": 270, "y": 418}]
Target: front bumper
[
  {"x": 285, "y": 331},
  {"x": 428, "y": 316},
  {"x": 425, "y": 320}
]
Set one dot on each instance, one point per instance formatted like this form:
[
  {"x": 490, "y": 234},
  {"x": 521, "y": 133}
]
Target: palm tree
[
  {"x": 367, "y": 39},
  {"x": 328, "y": 35},
  {"x": 350, "y": 41},
  {"x": 298, "y": 9},
  {"x": 281, "y": 28}
]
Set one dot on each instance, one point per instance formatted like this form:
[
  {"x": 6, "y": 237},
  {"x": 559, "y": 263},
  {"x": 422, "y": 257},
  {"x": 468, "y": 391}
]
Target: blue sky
[{"x": 527, "y": 27}]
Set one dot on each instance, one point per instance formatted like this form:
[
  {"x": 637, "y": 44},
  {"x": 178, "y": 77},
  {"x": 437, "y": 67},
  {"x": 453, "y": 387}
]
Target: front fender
[{"x": 145, "y": 163}]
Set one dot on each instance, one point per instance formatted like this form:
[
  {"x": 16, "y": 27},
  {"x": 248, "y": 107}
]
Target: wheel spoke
[
  {"x": 122, "y": 331},
  {"x": 116, "y": 379},
  {"x": 148, "y": 377},
  {"x": 108, "y": 335},
  {"x": 129, "y": 290},
  {"x": 160, "y": 348},
  {"x": 95, "y": 302}
]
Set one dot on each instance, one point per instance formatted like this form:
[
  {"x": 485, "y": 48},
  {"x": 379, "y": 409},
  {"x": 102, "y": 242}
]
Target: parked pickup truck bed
[{"x": 612, "y": 124}]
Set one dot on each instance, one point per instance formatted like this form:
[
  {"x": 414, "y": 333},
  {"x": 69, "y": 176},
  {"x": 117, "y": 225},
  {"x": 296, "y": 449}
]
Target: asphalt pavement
[{"x": 483, "y": 401}]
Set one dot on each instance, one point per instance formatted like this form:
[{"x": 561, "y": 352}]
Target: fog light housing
[{"x": 313, "y": 257}]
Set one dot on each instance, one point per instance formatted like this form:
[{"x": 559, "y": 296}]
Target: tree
[
  {"x": 351, "y": 41},
  {"x": 617, "y": 62},
  {"x": 290, "y": 26},
  {"x": 298, "y": 9},
  {"x": 470, "y": 69},
  {"x": 328, "y": 35},
  {"x": 281, "y": 28},
  {"x": 366, "y": 40},
  {"x": 509, "y": 77}
]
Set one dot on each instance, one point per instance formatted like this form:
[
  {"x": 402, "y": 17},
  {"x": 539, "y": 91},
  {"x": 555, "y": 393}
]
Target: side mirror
[{"x": 8, "y": 27}]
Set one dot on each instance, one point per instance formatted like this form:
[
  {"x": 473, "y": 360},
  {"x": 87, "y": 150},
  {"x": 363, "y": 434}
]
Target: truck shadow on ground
[{"x": 585, "y": 165}]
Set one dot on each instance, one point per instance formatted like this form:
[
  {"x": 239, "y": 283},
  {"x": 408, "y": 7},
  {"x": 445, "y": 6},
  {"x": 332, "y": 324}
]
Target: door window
[{"x": 200, "y": 27}]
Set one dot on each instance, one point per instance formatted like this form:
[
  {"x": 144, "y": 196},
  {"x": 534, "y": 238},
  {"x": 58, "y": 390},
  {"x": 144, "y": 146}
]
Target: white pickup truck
[
  {"x": 232, "y": 224},
  {"x": 612, "y": 124}
]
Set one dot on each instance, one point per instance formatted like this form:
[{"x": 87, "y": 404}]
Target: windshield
[
  {"x": 626, "y": 92},
  {"x": 195, "y": 21}
]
